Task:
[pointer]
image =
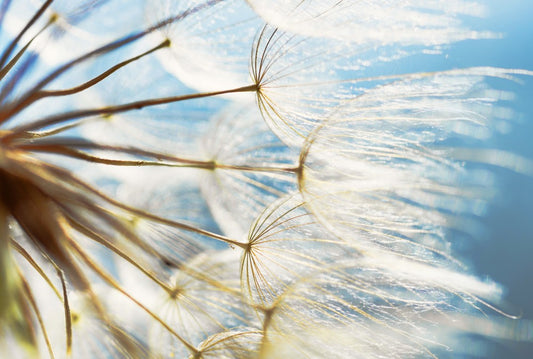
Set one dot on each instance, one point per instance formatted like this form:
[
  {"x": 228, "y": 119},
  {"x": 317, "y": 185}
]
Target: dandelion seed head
[{"x": 238, "y": 179}]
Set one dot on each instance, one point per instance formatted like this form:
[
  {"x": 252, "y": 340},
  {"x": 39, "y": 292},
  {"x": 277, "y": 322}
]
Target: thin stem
[
  {"x": 5, "y": 70},
  {"x": 257, "y": 169},
  {"x": 112, "y": 220},
  {"x": 30, "y": 23},
  {"x": 66, "y": 306},
  {"x": 53, "y": 93},
  {"x": 113, "y": 283},
  {"x": 69, "y": 152},
  {"x": 36, "y": 266},
  {"x": 63, "y": 146},
  {"x": 137, "y": 105},
  {"x": 10, "y": 85},
  {"x": 101, "y": 240},
  {"x": 33, "y": 304},
  {"x": 16, "y": 107},
  {"x": 55, "y": 131},
  {"x": 68, "y": 177},
  {"x": 208, "y": 165}
]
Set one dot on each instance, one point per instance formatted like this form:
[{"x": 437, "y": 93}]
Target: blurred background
[
  {"x": 506, "y": 254},
  {"x": 505, "y": 251}
]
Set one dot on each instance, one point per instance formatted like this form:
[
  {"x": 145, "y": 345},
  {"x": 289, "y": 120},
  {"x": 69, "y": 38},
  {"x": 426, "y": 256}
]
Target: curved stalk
[
  {"x": 113, "y": 283},
  {"x": 35, "y": 266},
  {"x": 70, "y": 149},
  {"x": 55, "y": 93},
  {"x": 33, "y": 303},
  {"x": 30, "y": 23},
  {"x": 109, "y": 110},
  {"x": 14, "y": 108}
]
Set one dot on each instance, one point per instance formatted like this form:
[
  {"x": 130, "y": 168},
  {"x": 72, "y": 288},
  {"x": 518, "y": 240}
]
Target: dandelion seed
[
  {"x": 204, "y": 301},
  {"x": 381, "y": 170},
  {"x": 208, "y": 55},
  {"x": 309, "y": 284}
]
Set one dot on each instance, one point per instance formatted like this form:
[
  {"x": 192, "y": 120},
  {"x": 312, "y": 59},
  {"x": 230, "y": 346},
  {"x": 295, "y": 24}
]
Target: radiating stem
[
  {"x": 113, "y": 283},
  {"x": 5, "y": 70},
  {"x": 31, "y": 298},
  {"x": 171, "y": 161},
  {"x": 68, "y": 318},
  {"x": 68, "y": 177},
  {"x": 53, "y": 93},
  {"x": 137, "y": 105},
  {"x": 30, "y": 23},
  {"x": 70, "y": 149},
  {"x": 20, "y": 104},
  {"x": 257, "y": 168},
  {"x": 101, "y": 240},
  {"x": 36, "y": 266}
]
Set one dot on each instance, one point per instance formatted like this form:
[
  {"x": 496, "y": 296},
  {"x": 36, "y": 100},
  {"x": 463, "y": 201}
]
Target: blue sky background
[{"x": 506, "y": 252}]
